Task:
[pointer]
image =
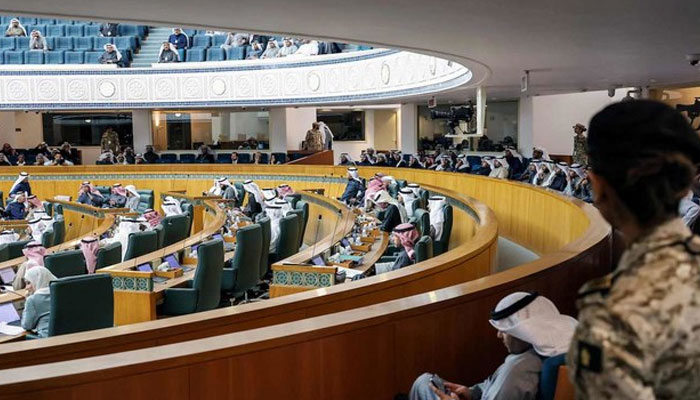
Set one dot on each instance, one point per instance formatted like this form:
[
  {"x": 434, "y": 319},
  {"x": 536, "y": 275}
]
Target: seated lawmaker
[
  {"x": 16, "y": 210},
  {"x": 255, "y": 199},
  {"x": 486, "y": 166},
  {"x": 355, "y": 188},
  {"x": 21, "y": 185},
  {"x": 37, "y": 307},
  {"x": 171, "y": 206},
  {"x": 276, "y": 213},
  {"x": 409, "y": 200},
  {"x": 89, "y": 246},
  {"x": 89, "y": 195},
  {"x": 404, "y": 237},
  {"x": 117, "y": 199},
  {"x": 34, "y": 252},
  {"x": 284, "y": 190},
  {"x": 394, "y": 213},
  {"x": 132, "y": 197},
  {"x": 558, "y": 179},
  {"x": 436, "y": 204},
  {"x": 499, "y": 168},
  {"x": 152, "y": 217},
  {"x": 375, "y": 185},
  {"x": 34, "y": 207},
  {"x": 530, "y": 327}
]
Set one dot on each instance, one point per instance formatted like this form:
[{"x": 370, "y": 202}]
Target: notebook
[
  {"x": 8, "y": 313},
  {"x": 145, "y": 267},
  {"x": 318, "y": 260},
  {"x": 7, "y": 275}
]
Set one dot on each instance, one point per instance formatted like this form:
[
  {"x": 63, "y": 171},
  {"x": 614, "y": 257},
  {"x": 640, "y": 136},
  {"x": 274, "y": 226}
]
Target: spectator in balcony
[
  {"x": 37, "y": 42},
  {"x": 364, "y": 161},
  {"x": 67, "y": 151},
  {"x": 205, "y": 155},
  {"x": 307, "y": 48},
  {"x": 346, "y": 160},
  {"x": 314, "y": 138},
  {"x": 105, "y": 158},
  {"x": 21, "y": 160},
  {"x": 59, "y": 160},
  {"x": 257, "y": 158},
  {"x": 234, "y": 158},
  {"x": 499, "y": 168},
  {"x": 288, "y": 49},
  {"x": 40, "y": 159},
  {"x": 179, "y": 39},
  {"x": 129, "y": 155},
  {"x": 229, "y": 42},
  {"x": 8, "y": 151},
  {"x": 42, "y": 148},
  {"x": 111, "y": 55},
  {"x": 241, "y": 39},
  {"x": 4, "y": 162},
  {"x": 255, "y": 52},
  {"x": 485, "y": 168},
  {"x": 15, "y": 29},
  {"x": 168, "y": 54},
  {"x": 150, "y": 156},
  {"x": 109, "y": 29},
  {"x": 271, "y": 50}
]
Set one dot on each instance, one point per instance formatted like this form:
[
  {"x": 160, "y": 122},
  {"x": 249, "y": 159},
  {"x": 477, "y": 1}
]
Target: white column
[
  {"x": 141, "y": 124},
  {"x": 480, "y": 110},
  {"x": 278, "y": 129},
  {"x": 299, "y": 120},
  {"x": 526, "y": 138},
  {"x": 408, "y": 128}
]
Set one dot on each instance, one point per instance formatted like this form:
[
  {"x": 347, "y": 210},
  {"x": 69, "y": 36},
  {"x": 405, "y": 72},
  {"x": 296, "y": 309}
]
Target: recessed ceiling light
[
  {"x": 88, "y": 120},
  {"x": 178, "y": 115}
]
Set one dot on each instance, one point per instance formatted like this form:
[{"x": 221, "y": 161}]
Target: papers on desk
[
  {"x": 347, "y": 257},
  {"x": 10, "y": 330},
  {"x": 349, "y": 273}
]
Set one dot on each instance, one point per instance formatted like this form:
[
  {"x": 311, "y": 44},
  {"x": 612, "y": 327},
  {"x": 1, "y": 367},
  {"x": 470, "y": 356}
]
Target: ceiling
[{"x": 568, "y": 45}]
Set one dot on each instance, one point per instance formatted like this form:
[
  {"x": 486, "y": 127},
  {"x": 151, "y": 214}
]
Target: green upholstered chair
[
  {"x": 293, "y": 199},
  {"x": 81, "y": 303},
  {"x": 288, "y": 241},
  {"x": 244, "y": 273},
  {"x": 402, "y": 183},
  {"x": 175, "y": 229},
  {"x": 159, "y": 234},
  {"x": 393, "y": 189},
  {"x": 109, "y": 255},
  {"x": 66, "y": 263},
  {"x": 15, "y": 249},
  {"x": 304, "y": 207},
  {"x": 423, "y": 196},
  {"x": 2, "y": 202},
  {"x": 300, "y": 235},
  {"x": 188, "y": 209},
  {"x": 241, "y": 194},
  {"x": 48, "y": 207},
  {"x": 105, "y": 191},
  {"x": 47, "y": 238},
  {"x": 145, "y": 200},
  {"x": 421, "y": 220},
  {"x": 59, "y": 229},
  {"x": 423, "y": 249},
  {"x": 442, "y": 243},
  {"x": 57, "y": 209},
  {"x": 141, "y": 243},
  {"x": 265, "y": 252},
  {"x": 204, "y": 291},
  {"x": 5, "y": 252}
]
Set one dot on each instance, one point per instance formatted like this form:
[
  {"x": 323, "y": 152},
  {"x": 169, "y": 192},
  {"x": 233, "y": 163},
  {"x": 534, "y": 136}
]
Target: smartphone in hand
[{"x": 436, "y": 381}]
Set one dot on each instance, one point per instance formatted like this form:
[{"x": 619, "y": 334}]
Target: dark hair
[{"x": 647, "y": 152}]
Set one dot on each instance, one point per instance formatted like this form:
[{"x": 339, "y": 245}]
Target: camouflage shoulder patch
[
  {"x": 692, "y": 245},
  {"x": 590, "y": 357},
  {"x": 599, "y": 285}
]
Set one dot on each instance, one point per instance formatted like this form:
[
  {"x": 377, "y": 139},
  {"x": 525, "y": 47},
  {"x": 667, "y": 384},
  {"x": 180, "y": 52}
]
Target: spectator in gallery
[
  {"x": 139, "y": 159},
  {"x": 234, "y": 158},
  {"x": 271, "y": 50},
  {"x": 42, "y": 148},
  {"x": 110, "y": 140},
  {"x": 67, "y": 151},
  {"x": 255, "y": 51},
  {"x": 307, "y": 48},
  {"x": 241, "y": 39},
  {"x": 314, "y": 138},
  {"x": 37, "y": 42},
  {"x": 327, "y": 135},
  {"x": 40, "y": 159},
  {"x": 168, "y": 53},
  {"x": 205, "y": 155},
  {"x": 59, "y": 160},
  {"x": 129, "y": 155},
  {"x": 229, "y": 42},
  {"x": 257, "y": 158},
  {"x": 4, "y": 162},
  {"x": 8, "y": 151},
  {"x": 111, "y": 55},
  {"x": 150, "y": 156},
  {"x": 179, "y": 39},
  {"x": 287, "y": 49},
  {"x": 273, "y": 160},
  {"x": 109, "y": 29},
  {"x": 21, "y": 160},
  {"x": 15, "y": 29}
]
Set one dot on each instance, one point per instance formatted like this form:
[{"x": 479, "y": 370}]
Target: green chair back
[
  {"x": 265, "y": 252},
  {"x": 66, "y": 263},
  {"x": 15, "y": 249},
  {"x": 159, "y": 234},
  {"x": 141, "y": 243},
  {"x": 423, "y": 249},
  {"x": 421, "y": 220},
  {"x": 393, "y": 189},
  {"x": 442, "y": 243},
  {"x": 300, "y": 236},
  {"x": 175, "y": 229},
  {"x": 244, "y": 273},
  {"x": 57, "y": 209},
  {"x": 81, "y": 303},
  {"x": 293, "y": 199},
  {"x": 109, "y": 255},
  {"x": 5, "y": 252},
  {"x": 145, "y": 200},
  {"x": 288, "y": 242},
  {"x": 188, "y": 209},
  {"x": 48, "y": 207},
  {"x": 207, "y": 276},
  {"x": 2, "y": 201},
  {"x": 47, "y": 238},
  {"x": 104, "y": 190},
  {"x": 59, "y": 229},
  {"x": 423, "y": 195},
  {"x": 304, "y": 207}
]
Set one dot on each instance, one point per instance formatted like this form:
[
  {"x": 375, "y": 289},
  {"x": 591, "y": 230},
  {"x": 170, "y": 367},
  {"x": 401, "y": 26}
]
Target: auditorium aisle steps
[{"x": 150, "y": 47}]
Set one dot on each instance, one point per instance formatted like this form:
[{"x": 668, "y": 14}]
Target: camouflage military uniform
[
  {"x": 580, "y": 150},
  {"x": 110, "y": 141},
  {"x": 639, "y": 328}
]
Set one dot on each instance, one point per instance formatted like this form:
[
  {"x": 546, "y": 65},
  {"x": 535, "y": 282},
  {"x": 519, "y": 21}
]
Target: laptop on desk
[
  {"x": 9, "y": 315},
  {"x": 7, "y": 275},
  {"x": 171, "y": 259}
]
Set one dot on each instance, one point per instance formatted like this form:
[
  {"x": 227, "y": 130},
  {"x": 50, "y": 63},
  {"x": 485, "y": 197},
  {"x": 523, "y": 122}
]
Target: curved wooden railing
[{"x": 471, "y": 259}]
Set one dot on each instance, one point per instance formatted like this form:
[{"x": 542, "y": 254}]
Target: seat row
[
  {"x": 200, "y": 54},
  {"x": 221, "y": 158},
  {"x": 76, "y": 28},
  {"x": 73, "y": 43},
  {"x": 18, "y": 57}
]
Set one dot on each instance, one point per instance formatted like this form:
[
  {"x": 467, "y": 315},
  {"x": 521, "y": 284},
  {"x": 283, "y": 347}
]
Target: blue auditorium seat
[
  {"x": 125, "y": 42},
  {"x": 14, "y": 57},
  {"x": 244, "y": 158},
  {"x": 194, "y": 55},
  {"x": 7, "y": 43},
  {"x": 127, "y": 30},
  {"x": 55, "y": 30},
  {"x": 92, "y": 56},
  {"x": 190, "y": 32},
  {"x": 187, "y": 158},
  {"x": 280, "y": 157},
  {"x": 33, "y": 57},
  {"x": 100, "y": 42},
  {"x": 75, "y": 57},
  {"x": 235, "y": 53},
  {"x": 39, "y": 27},
  {"x": 55, "y": 57},
  {"x": 22, "y": 43},
  {"x": 218, "y": 40},
  {"x": 6, "y": 19},
  {"x": 223, "y": 158},
  {"x": 92, "y": 30},
  {"x": 47, "y": 21},
  {"x": 201, "y": 41},
  {"x": 216, "y": 54},
  {"x": 168, "y": 158},
  {"x": 75, "y": 30},
  {"x": 142, "y": 30},
  {"x": 27, "y": 21},
  {"x": 63, "y": 43},
  {"x": 182, "y": 53},
  {"x": 64, "y": 22},
  {"x": 263, "y": 158},
  {"x": 83, "y": 43},
  {"x": 51, "y": 42}
]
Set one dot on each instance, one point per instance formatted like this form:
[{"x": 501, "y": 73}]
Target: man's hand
[
  {"x": 459, "y": 390},
  {"x": 444, "y": 396}
]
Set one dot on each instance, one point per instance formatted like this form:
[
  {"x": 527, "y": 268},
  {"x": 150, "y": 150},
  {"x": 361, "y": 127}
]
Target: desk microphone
[
  {"x": 318, "y": 228},
  {"x": 340, "y": 215}
]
